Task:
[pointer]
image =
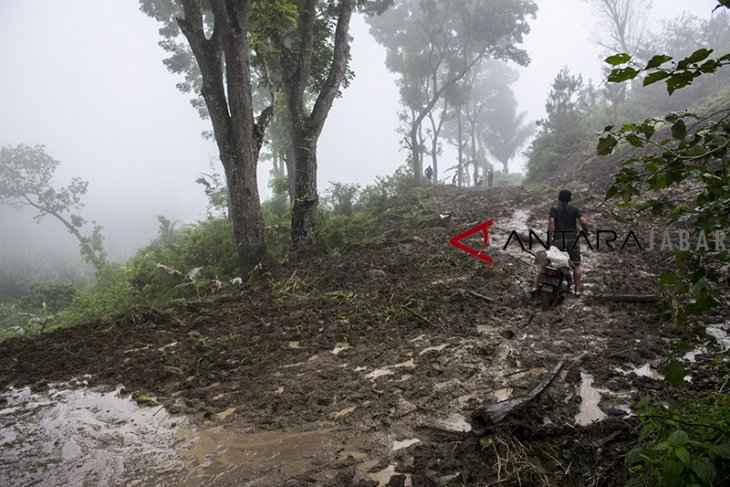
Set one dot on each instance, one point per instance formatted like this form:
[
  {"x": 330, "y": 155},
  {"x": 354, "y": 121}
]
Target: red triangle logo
[{"x": 482, "y": 227}]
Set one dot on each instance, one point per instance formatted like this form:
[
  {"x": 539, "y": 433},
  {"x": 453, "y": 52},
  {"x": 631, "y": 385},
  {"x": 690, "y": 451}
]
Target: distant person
[
  {"x": 563, "y": 230},
  {"x": 429, "y": 174},
  {"x": 478, "y": 181},
  {"x": 490, "y": 178}
]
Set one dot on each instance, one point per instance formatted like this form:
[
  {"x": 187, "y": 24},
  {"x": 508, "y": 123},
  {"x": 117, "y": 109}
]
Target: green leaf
[
  {"x": 680, "y": 257},
  {"x": 617, "y": 59},
  {"x": 612, "y": 191},
  {"x": 656, "y": 76},
  {"x": 661, "y": 446},
  {"x": 723, "y": 450},
  {"x": 709, "y": 66},
  {"x": 683, "y": 455},
  {"x": 697, "y": 56},
  {"x": 620, "y": 75},
  {"x": 704, "y": 469},
  {"x": 667, "y": 278},
  {"x": 606, "y": 145},
  {"x": 648, "y": 429},
  {"x": 634, "y": 456},
  {"x": 679, "y": 130},
  {"x": 679, "y": 80},
  {"x": 675, "y": 373},
  {"x": 657, "y": 61},
  {"x": 678, "y": 438},
  {"x": 703, "y": 302},
  {"x": 634, "y": 140}
]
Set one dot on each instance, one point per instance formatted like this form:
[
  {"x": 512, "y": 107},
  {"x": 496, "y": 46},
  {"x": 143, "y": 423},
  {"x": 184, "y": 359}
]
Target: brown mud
[{"x": 362, "y": 366}]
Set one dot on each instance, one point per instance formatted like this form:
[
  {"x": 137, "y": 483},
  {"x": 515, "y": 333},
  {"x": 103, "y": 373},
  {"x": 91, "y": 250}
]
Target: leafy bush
[
  {"x": 338, "y": 230},
  {"x": 682, "y": 444},
  {"x": 47, "y": 295},
  {"x": 208, "y": 247},
  {"x": 112, "y": 292},
  {"x": 341, "y": 198}
]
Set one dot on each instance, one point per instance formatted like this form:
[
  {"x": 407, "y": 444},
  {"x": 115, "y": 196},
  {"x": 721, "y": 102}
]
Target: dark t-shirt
[{"x": 565, "y": 216}]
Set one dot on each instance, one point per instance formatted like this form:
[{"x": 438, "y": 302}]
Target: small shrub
[
  {"x": 682, "y": 443},
  {"x": 112, "y": 292}
]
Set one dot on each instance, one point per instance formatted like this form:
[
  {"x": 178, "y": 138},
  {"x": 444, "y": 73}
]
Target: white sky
[{"x": 85, "y": 78}]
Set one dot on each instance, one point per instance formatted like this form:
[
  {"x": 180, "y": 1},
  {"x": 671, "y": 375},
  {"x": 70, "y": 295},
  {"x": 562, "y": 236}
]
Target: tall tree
[
  {"x": 297, "y": 47},
  {"x": 217, "y": 33},
  {"x": 624, "y": 24},
  {"x": 433, "y": 45},
  {"x": 624, "y": 29},
  {"x": 504, "y": 130},
  {"x": 26, "y": 177},
  {"x": 296, "y": 51}
]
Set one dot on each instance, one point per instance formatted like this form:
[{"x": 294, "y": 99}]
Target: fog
[{"x": 85, "y": 78}]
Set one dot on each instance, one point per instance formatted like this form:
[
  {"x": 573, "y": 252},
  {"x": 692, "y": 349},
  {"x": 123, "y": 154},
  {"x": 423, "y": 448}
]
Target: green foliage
[
  {"x": 26, "y": 177},
  {"x": 341, "y": 197},
  {"x": 676, "y": 76},
  {"x": 694, "y": 150},
  {"x": 502, "y": 178},
  {"x": 687, "y": 149},
  {"x": 16, "y": 322},
  {"x": 216, "y": 190},
  {"x": 50, "y": 296},
  {"x": 565, "y": 130},
  {"x": 682, "y": 444},
  {"x": 162, "y": 270},
  {"x": 112, "y": 292},
  {"x": 434, "y": 46}
]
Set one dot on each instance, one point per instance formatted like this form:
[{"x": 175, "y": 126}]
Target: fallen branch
[
  {"x": 420, "y": 317},
  {"x": 492, "y": 414},
  {"x": 481, "y": 296}
]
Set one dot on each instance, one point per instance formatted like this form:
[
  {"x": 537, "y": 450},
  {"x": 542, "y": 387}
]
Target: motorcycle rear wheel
[{"x": 547, "y": 297}]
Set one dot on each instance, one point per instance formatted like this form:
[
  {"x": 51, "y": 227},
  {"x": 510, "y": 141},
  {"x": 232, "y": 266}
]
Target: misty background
[{"x": 85, "y": 78}]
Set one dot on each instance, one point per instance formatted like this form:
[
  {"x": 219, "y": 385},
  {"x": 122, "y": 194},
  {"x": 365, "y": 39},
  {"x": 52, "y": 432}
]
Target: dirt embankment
[{"x": 378, "y": 354}]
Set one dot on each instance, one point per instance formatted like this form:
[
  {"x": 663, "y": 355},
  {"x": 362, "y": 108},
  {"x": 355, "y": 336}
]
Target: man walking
[{"x": 563, "y": 234}]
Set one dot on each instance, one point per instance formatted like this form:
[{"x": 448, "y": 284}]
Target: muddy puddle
[
  {"x": 78, "y": 436},
  {"x": 74, "y": 435}
]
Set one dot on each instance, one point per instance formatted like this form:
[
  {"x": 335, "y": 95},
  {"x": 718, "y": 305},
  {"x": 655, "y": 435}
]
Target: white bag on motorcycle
[{"x": 558, "y": 257}]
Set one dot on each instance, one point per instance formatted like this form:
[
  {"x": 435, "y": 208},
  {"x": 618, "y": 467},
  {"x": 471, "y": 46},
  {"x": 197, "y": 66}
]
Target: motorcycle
[{"x": 557, "y": 278}]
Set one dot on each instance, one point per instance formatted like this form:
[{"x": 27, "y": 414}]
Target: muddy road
[{"x": 358, "y": 367}]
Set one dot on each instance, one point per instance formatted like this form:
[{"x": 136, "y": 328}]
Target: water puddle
[
  {"x": 457, "y": 423},
  {"x": 644, "y": 371},
  {"x": 503, "y": 394},
  {"x": 83, "y": 437},
  {"x": 388, "y": 369},
  {"x": 340, "y": 347},
  {"x": 432, "y": 349},
  {"x": 720, "y": 334},
  {"x": 402, "y": 444},
  {"x": 590, "y": 397},
  {"x": 345, "y": 412},
  {"x": 692, "y": 355}
]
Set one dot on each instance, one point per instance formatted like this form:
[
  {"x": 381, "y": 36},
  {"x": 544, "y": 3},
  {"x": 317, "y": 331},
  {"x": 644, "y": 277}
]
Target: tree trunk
[
  {"x": 223, "y": 59},
  {"x": 304, "y": 128},
  {"x": 460, "y": 146},
  {"x": 304, "y": 206},
  {"x": 474, "y": 158},
  {"x": 416, "y": 160},
  {"x": 248, "y": 222},
  {"x": 291, "y": 171}
]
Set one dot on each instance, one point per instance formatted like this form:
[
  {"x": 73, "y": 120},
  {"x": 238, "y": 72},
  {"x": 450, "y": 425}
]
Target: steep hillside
[{"x": 363, "y": 366}]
